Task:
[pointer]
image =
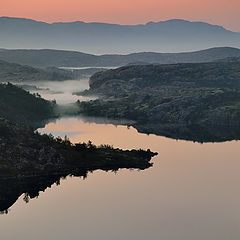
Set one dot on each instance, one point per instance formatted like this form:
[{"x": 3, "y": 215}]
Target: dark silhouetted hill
[{"x": 22, "y": 107}]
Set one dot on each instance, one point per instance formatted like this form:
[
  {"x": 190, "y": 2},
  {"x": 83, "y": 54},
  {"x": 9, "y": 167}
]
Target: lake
[{"x": 191, "y": 192}]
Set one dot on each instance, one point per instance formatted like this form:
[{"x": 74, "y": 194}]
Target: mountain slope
[
  {"x": 22, "y": 107},
  {"x": 166, "y": 36}
]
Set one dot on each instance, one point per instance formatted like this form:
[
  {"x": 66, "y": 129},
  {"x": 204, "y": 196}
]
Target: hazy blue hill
[
  {"x": 166, "y": 36},
  {"x": 59, "y": 58},
  {"x": 46, "y": 57},
  {"x": 206, "y": 55},
  {"x": 12, "y": 72}
]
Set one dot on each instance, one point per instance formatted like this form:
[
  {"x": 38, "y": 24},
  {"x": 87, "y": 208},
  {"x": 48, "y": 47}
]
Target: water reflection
[
  {"x": 11, "y": 189},
  {"x": 192, "y": 192},
  {"x": 30, "y": 187},
  {"x": 79, "y": 125},
  {"x": 193, "y": 133}
]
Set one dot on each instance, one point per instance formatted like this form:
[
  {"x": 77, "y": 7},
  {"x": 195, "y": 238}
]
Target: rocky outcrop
[{"x": 205, "y": 94}]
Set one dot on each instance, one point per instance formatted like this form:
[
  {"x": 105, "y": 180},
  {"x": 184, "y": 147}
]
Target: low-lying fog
[
  {"x": 90, "y": 67},
  {"x": 61, "y": 91}
]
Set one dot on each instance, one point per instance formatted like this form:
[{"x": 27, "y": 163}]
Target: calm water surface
[{"x": 191, "y": 193}]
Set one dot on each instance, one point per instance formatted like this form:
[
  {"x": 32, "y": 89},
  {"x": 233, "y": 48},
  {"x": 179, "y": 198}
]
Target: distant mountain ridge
[
  {"x": 59, "y": 58},
  {"x": 166, "y": 36}
]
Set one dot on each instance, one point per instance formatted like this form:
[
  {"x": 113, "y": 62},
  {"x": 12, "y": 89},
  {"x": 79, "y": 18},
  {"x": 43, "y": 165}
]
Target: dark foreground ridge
[{"x": 24, "y": 152}]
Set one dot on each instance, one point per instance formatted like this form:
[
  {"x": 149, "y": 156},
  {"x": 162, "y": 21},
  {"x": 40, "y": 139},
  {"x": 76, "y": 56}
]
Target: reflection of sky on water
[
  {"x": 191, "y": 193},
  {"x": 84, "y": 128}
]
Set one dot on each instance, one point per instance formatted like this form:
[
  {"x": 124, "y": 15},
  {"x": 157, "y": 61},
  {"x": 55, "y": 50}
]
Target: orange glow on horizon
[{"x": 224, "y": 12}]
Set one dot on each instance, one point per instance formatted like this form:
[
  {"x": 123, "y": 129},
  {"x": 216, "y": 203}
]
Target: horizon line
[
  {"x": 104, "y": 54},
  {"x": 119, "y": 24}
]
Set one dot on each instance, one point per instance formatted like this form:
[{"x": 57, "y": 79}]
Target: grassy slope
[
  {"x": 206, "y": 93},
  {"x": 20, "y": 106}
]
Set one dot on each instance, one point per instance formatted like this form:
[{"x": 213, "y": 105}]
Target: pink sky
[{"x": 220, "y": 12}]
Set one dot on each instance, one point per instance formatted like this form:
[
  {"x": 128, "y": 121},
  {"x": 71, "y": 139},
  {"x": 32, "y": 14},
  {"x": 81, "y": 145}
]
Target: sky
[{"x": 219, "y": 12}]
